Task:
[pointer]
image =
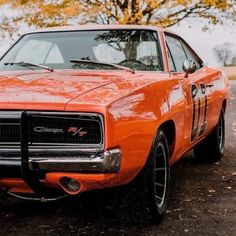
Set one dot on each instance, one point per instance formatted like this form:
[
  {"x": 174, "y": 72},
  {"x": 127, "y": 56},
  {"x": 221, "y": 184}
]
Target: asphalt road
[{"x": 202, "y": 202}]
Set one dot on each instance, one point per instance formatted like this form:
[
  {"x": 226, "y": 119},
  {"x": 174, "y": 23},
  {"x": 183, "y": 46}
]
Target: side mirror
[{"x": 189, "y": 66}]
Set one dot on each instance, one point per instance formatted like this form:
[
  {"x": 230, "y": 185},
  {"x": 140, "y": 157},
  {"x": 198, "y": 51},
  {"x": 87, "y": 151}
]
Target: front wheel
[
  {"x": 212, "y": 148},
  {"x": 152, "y": 183}
]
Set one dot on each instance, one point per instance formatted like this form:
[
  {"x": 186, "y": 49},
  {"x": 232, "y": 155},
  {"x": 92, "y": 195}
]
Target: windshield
[{"x": 136, "y": 49}]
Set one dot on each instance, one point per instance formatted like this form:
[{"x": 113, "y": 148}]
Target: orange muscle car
[{"x": 92, "y": 107}]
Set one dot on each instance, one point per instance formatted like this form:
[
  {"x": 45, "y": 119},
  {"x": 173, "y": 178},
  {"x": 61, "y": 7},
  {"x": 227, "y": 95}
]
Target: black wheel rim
[
  {"x": 160, "y": 175},
  {"x": 221, "y": 133}
]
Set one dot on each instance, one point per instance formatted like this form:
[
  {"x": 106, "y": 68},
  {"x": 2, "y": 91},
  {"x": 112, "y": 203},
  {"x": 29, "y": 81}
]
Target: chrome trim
[
  {"x": 49, "y": 153},
  {"x": 48, "y": 148},
  {"x": 65, "y": 113},
  {"x": 11, "y": 114},
  {"x": 53, "y": 115},
  {"x": 101, "y": 162},
  {"x": 11, "y": 124},
  {"x": 106, "y": 162}
]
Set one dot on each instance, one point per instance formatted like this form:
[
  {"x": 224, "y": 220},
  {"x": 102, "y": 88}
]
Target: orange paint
[{"x": 134, "y": 106}]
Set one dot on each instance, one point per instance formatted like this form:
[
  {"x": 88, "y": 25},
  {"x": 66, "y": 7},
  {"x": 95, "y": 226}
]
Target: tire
[
  {"x": 212, "y": 148},
  {"x": 152, "y": 184}
]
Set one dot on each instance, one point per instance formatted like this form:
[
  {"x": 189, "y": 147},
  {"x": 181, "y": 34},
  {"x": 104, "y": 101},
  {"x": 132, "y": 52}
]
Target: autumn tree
[{"x": 165, "y": 13}]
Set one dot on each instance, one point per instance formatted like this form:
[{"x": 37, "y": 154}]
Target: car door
[{"x": 195, "y": 87}]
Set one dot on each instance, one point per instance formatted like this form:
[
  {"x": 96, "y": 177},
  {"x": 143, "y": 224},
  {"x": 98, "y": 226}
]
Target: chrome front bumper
[
  {"x": 103, "y": 162},
  {"x": 106, "y": 162}
]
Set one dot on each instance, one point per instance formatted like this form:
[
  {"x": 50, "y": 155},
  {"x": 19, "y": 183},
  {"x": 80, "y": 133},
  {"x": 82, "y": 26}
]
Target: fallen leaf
[
  {"x": 169, "y": 211},
  {"x": 187, "y": 200},
  {"x": 211, "y": 191},
  {"x": 226, "y": 178},
  {"x": 228, "y": 187}
]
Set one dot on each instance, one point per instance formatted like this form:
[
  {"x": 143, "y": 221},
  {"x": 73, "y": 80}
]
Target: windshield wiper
[
  {"x": 28, "y": 64},
  {"x": 102, "y": 63}
]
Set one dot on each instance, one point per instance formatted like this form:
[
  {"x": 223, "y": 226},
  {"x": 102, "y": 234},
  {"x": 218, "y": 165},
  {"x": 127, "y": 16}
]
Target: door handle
[{"x": 210, "y": 85}]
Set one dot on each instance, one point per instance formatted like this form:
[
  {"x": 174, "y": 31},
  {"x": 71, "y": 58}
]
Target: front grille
[
  {"x": 9, "y": 127},
  {"x": 9, "y": 133},
  {"x": 63, "y": 130},
  {"x": 53, "y": 128}
]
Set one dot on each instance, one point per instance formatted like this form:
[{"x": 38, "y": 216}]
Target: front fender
[{"x": 131, "y": 123}]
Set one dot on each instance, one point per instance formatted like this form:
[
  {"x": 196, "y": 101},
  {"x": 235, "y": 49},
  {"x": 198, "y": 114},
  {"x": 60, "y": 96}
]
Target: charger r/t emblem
[{"x": 75, "y": 130}]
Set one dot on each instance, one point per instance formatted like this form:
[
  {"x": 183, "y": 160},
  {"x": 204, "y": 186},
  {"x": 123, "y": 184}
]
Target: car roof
[{"x": 98, "y": 27}]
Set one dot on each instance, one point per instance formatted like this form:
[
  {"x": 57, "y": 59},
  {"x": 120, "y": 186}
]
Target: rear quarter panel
[{"x": 221, "y": 88}]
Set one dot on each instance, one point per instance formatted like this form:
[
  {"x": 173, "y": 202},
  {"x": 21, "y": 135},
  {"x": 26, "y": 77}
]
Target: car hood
[{"x": 49, "y": 91}]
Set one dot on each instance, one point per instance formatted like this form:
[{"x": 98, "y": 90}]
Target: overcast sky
[
  {"x": 204, "y": 42},
  {"x": 201, "y": 41}
]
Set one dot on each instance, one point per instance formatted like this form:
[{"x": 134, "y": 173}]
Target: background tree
[
  {"x": 165, "y": 13},
  {"x": 225, "y": 54},
  {"x": 234, "y": 60}
]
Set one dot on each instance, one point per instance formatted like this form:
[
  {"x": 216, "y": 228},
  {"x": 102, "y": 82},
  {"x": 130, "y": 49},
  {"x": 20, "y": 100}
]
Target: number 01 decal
[{"x": 196, "y": 114}]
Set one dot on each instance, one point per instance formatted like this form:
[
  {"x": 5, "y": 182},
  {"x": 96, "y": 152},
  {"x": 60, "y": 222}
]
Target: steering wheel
[{"x": 124, "y": 62}]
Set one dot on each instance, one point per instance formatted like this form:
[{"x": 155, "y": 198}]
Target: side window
[
  {"x": 177, "y": 52},
  {"x": 170, "y": 60},
  {"x": 191, "y": 55}
]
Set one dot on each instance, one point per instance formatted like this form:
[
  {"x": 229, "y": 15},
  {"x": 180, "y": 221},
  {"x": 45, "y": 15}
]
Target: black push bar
[{"x": 27, "y": 175}]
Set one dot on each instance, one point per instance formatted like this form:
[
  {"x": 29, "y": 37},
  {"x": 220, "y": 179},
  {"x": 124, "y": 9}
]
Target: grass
[{"x": 230, "y": 71}]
